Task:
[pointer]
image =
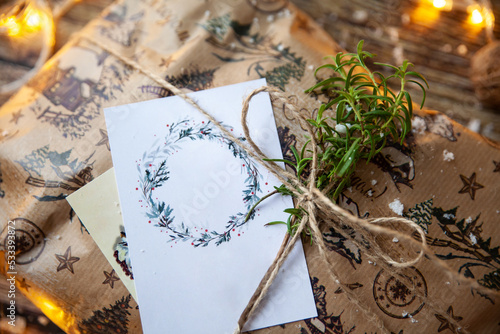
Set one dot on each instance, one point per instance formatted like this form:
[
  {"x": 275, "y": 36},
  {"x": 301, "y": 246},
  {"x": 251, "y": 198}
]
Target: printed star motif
[
  {"x": 445, "y": 323},
  {"x": 66, "y": 261},
  {"x": 23, "y": 284},
  {"x": 497, "y": 166},
  {"x": 104, "y": 139},
  {"x": 16, "y": 116},
  {"x": 470, "y": 185},
  {"x": 110, "y": 278}
]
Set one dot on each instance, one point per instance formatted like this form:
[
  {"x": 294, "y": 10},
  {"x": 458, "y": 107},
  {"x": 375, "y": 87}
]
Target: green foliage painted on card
[{"x": 153, "y": 174}]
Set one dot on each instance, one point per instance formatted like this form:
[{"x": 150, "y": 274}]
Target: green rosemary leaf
[
  {"x": 423, "y": 91},
  {"x": 387, "y": 65},
  {"x": 360, "y": 116},
  {"x": 275, "y": 223},
  {"x": 327, "y": 82},
  {"x": 303, "y": 151},
  {"x": 295, "y": 153}
]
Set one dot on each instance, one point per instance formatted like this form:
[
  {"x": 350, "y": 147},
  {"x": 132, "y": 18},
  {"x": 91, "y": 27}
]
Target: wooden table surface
[{"x": 440, "y": 44}]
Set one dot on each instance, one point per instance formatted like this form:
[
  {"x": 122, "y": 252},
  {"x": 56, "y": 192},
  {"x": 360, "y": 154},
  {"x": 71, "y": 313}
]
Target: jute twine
[{"x": 320, "y": 209}]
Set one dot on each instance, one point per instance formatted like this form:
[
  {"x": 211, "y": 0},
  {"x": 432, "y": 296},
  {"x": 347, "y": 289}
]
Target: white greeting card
[
  {"x": 97, "y": 206},
  {"x": 185, "y": 189}
]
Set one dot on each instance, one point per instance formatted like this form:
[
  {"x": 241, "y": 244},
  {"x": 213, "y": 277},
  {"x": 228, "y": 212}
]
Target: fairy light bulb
[
  {"x": 439, "y": 3},
  {"x": 11, "y": 26},
  {"x": 445, "y": 5},
  {"x": 27, "y": 29},
  {"x": 33, "y": 20},
  {"x": 476, "y": 17}
]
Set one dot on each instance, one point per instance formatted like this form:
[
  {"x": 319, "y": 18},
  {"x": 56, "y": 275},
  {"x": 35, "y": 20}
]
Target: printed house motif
[{"x": 63, "y": 88}]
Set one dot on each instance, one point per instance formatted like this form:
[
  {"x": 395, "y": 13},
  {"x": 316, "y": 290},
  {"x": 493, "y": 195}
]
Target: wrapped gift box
[{"x": 443, "y": 177}]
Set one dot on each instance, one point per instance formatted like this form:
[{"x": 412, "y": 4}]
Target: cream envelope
[{"x": 97, "y": 206}]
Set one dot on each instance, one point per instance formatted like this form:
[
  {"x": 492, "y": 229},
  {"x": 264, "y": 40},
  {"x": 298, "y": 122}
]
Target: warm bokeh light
[
  {"x": 476, "y": 17},
  {"x": 33, "y": 20},
  {"x": 11, "y": 26},
  {"x": 27, "y": 21},
  {"x": 55, "y": 313},
  {"x": 439, "y": 3},
  {"x": 489, "y": 18},
  {"x": 443, "y": 4},
  {"x": 481, "y": 16},
  {"x": 425, "y": 13}
]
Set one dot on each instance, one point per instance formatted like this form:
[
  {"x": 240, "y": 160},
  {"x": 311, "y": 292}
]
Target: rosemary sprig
[{"x": 362, "y": 112}]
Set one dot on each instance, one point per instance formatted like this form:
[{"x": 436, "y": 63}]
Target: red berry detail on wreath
[{"x": 136, "y": 188}]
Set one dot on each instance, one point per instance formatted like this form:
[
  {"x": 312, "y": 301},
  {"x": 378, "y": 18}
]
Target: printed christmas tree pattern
[
  {"x": 255, "y": 47},
  {"x": 109, "y": 320},
  {"x": 421, "y": 214}
]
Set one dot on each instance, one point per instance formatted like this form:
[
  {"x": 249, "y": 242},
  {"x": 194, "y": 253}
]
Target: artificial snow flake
[
  {"x": 448, "y": 156},
  {"x": 397, "y": 207},
  {"x": 473, "y": 239}
]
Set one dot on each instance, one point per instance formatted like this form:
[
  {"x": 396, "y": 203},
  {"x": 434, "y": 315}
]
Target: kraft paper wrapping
[{"x": 53, "y": 141}]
